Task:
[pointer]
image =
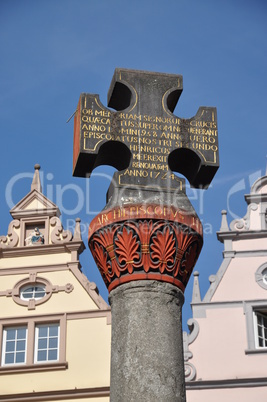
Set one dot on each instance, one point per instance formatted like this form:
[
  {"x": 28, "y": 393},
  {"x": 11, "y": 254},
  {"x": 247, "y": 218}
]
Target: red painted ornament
[{"x": 145, "y": 242}]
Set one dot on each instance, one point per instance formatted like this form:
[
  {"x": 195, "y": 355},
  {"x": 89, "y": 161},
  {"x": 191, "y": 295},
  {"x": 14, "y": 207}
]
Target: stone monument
[{"x": 148, "y": 237}]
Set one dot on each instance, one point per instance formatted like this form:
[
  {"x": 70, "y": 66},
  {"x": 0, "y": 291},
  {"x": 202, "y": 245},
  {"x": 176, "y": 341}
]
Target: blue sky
[{"x": 52, "y": 50}]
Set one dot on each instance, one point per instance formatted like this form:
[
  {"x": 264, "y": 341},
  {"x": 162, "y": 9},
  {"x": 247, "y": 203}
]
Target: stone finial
[
  {"x": 224, "y": 225},
  {"x": 77, "y": 230},
  {"x": 36, "y": 182},
  {"x": 196, "y": 298}
]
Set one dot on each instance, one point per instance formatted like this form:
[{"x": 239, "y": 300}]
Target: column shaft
[{"x": 147, "y": 361}]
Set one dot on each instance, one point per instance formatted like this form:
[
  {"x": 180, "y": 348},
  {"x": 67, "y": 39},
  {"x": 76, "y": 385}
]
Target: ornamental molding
[
  {"x": 11, "y": 239},
  {"x": 58, "y": 235},
  {"x": 237, "y": 235},
  {"x": 261, "y": 276},
  {"x": 32, "y": 280},
  {"x": 45, "y": 206},
  {"x": 227, "y": 383},
  {"x": 188, "y": 338},
  {"x": 258, "y": 185},
  {"x": 243, "y": 224},
  {"x": 43, "y": 249},
  {"x": 137, "y": 249},
  {"x": 25, "y": 233},
  {"x": 61, "y": 395}
]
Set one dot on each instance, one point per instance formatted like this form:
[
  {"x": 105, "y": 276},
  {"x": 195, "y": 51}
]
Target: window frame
[
  {"x": 256, "y": 314},
  {"x": 251, "y": 308},
  {"x": 260, "y": 276},
  {"x": 34, "y": 286},
  {"x": 4, "y": 345},
  {"x": 37, "y": 338},
  {"x": 30, "y": 323},
  {"x": 35, "y": 281}
]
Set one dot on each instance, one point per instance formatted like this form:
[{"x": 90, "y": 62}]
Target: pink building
[{"x": 225, "y": 353}]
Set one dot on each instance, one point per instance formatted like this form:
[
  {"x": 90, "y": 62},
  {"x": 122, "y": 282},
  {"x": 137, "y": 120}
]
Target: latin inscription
[
  {"x": 150, "y": 138},
  {"x": 146, "y": 211},
  {"x": 157, "y": 143}
]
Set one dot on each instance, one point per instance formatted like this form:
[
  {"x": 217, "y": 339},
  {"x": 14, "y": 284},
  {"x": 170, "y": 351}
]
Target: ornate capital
[{"x": 145, "y": 242}]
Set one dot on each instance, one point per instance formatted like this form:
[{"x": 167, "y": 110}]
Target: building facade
[
  {"x": 55, "y": 328},
  {"x": 226, "y": 351}
]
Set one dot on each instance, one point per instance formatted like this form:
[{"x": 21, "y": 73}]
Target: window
[
  {"x": 46, "y": 343},
  {"x": 260, "y": 330},
  {"x": 261, "y": 276},
  {"x": 32, "y": 291},
  {"x": 256, "y": 321},
  {"x": 264, "y": 276},
  {"x": 33, "y": 344},
  {"x": 14, "y": 345},
  {"x": 35, "y": 292}
]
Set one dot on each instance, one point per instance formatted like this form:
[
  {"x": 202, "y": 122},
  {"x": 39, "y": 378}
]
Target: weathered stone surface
[
  {"x": 143, "y": 139},
  {"x": 147, "y": 351}
]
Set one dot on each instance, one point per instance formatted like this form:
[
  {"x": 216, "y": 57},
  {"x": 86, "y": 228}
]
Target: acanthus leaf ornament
[
  {"x": 163, "y": 249},
  {"x": 100, "y": 257},
  {"x": 126, "y": 249},
  {"x": 143, "y": 248},
  {"x": 105, "y": 239},
  {"x": 189, "y": 261}
]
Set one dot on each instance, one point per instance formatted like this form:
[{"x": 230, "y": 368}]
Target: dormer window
[{"x": 35, "y": 292}]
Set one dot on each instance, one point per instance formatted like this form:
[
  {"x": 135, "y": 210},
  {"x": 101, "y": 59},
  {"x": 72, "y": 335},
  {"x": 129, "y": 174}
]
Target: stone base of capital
[{"x": 145, "y": 242}]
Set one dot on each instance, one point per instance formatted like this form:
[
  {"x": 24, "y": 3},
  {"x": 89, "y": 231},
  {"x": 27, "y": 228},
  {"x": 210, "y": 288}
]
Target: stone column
[
  {"x": 145, "y": 254},
  {"x": 147, "y": 356}
]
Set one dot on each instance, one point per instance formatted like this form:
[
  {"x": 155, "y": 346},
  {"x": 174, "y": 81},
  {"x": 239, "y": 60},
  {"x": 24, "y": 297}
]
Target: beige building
[{"x": 55, "y": 328}]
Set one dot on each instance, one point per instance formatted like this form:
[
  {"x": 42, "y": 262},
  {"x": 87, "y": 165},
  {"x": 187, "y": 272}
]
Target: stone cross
[{"x": 143, "y": 139}]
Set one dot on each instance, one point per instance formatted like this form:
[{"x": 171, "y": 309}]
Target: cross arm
[
  {"x": 94, "y": 141},
  {"x": 196, "y": 156}
]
